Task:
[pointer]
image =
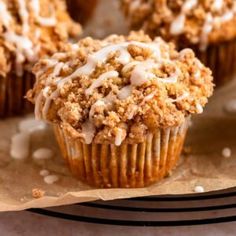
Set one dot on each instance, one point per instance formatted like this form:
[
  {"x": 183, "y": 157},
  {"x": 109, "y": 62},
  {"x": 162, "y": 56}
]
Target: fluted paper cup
[
  {"x": 125, "y": 166},
  {"x": 12, "y": 92},
  {"x": 220, "y": 58}
]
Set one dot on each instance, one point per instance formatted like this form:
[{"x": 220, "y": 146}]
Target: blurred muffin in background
[
  {"x": 206, "y": 26},
  {"x": 29, "y": 30},
  {"x": 81, "y": 10}
]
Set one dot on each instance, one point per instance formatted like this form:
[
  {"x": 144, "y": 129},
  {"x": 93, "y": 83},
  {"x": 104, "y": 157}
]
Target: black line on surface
[
  {"x": 143, "y": 209},
  {"x": 186, "y": 197},
  {"x": 133, "y": 223}
]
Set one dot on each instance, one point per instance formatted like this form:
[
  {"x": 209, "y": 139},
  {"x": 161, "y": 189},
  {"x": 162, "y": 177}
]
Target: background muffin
[
  {"x": 29, "y": 29},
  {"x": 81, "y": 10},
  {"x": 207, "y": 26},
  {"x": 120, "y": 106}
]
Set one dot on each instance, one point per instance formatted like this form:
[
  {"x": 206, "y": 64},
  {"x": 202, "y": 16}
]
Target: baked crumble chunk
[{"x": 119, "y": 88}]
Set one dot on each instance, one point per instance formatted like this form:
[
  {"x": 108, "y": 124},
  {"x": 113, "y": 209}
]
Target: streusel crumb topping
[
  {"x": 119, "y": 88},
  {"x": 187, "y": 22},
  {"x": 30, "y": 29}
]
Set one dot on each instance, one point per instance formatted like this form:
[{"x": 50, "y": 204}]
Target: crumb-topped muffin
[
  {"x": 30, "y": 29},
  {"x": 207, "y": 26},
  {"x": 120, "y": 106}
]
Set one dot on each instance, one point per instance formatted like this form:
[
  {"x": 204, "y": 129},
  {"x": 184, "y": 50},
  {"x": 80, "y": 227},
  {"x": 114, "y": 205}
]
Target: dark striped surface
[{"x": 192, "y": 209}]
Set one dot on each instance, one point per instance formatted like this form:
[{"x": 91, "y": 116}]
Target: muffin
[
  {"x": 81, "y": 10},
  {"x": 206, "y": 26},
  {"x": 120, "y": 106},
  {"x": 29, "y": 30}
]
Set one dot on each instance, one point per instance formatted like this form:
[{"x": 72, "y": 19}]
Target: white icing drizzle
[
  {"x": 182, "y": 97},
  {"x": 49, "y": 64},
  {"x": 24, "y": 16},
  {"x": 103, "y": 102},
  {"x": 177, "y": 26},
  {"x": 48, "y": 101},
  {"x": 24, "y": 47},
  {"x": 98, "y": 103},
  {"x": 206, "y": 30},
  {"x": 197, "y": 74},
  {"x": 140, "y": 74},
  {"x": 57, "y": 70},
  {"x": 119, "y": 136},
  {"x": 88, "y": 130},
  {"x": 149, "y": 97},
  {"x": 129, "y": 66},
  {"x": 134, "y": 5},
  {"x": 189, "y": 5},
  {"x": 87, "y": 69},
  {"x": 211, "y": 22},
  {"x": 44, "y": 21},
  {"x": 199, "y": 108},
  {"x": 132, "y": 112},
  {"x": 125, "y": 92},
  {"x": 24, "y": 50},
  {"x": 44, "y": 93},
  {"x": 217, "y": 5},
  {"x": 37, "y": 109},
  {"x": 100, "y": 80},
  {"x": 5, "y": 17}
]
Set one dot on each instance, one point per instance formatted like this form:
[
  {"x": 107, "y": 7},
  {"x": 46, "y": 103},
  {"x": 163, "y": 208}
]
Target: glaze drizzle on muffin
[
  {"x": 119, "y": 87},
  {"x": 29, "y": 29},
  {"x": 194, "y": 21}
]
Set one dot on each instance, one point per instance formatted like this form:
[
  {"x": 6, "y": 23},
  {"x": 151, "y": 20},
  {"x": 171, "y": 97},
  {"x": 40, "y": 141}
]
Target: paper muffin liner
[
  {"x": 12, "y": 92},
  {"x": 220, "y": 58},
  {"x": 125, "y": 166}
]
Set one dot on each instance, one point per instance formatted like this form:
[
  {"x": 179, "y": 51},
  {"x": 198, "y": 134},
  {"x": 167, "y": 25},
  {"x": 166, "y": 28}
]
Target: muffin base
[
  {"x": 125, "y": 166},
  {"x": 220, "y": 58},
  {"x": 12, "y": 92}
]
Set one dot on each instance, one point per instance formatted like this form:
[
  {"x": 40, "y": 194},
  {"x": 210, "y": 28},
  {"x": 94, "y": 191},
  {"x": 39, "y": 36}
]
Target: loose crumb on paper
[
  {"x": 44, "y": 172},
  {"x": 37, "y": 193},
  {"x": 20, "y": 145},
  {"x": 199, "y": 189},
  {"x": 42, "y": 154},
  {"x": 226, "y": 152},
  {"x": 51, "y": 179}
]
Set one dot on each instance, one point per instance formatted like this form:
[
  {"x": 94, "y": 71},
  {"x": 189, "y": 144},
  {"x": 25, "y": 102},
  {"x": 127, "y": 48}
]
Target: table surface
[{"x": 26, "y": 223}]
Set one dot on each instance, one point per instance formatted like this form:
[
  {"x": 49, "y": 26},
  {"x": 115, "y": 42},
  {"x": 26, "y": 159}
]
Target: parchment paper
[{"x": 204, "y": 166}]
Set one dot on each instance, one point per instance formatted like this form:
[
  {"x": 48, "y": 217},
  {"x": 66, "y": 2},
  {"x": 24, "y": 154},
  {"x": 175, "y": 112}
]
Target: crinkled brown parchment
[{"x": 204, "y": 166}]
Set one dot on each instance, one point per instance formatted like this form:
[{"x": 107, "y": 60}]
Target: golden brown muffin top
[
  {"x": 186, "y": 22},
  {"x": 120, "y": 87},
  {"x": 30, "y": 29}
]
